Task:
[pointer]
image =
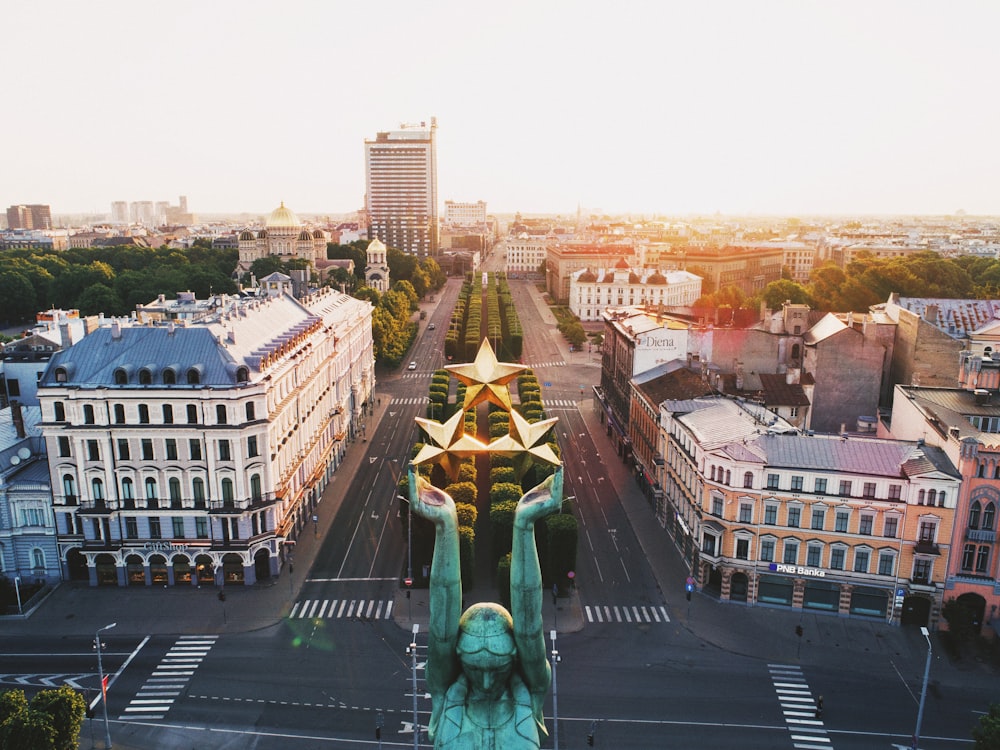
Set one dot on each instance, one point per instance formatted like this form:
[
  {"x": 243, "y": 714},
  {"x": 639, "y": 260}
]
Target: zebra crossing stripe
[
  {"x": 801, "y": 712},
  {"x": 371, "y": 609},
  {"x": 639, "y": 615},
  {"x": 168, "y": 678}
]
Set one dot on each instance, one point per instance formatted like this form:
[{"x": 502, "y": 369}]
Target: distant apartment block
[
  {"x": 458, "y": 214},
  {"x": 401, "y": 188},
  {"x": 36, "y": 216}
]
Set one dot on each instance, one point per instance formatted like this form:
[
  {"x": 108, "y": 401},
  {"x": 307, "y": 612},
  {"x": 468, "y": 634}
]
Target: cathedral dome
[
  {"x": 283, "y": 218},
  {"x": 656, "y": 278},
  {"x": 586, "y": 277}
]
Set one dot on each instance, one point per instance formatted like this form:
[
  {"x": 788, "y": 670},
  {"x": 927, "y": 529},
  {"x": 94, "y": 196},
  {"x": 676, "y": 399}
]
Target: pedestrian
[{"x": 819, "y": 707}]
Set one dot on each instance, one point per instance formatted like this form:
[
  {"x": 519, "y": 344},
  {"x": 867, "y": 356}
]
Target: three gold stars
[{"x": 486, "y": 379}]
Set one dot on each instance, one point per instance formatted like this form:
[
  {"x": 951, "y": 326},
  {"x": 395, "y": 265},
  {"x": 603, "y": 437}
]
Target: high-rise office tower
[
  {"x": 119, "y": 212},
  {"x": 35, "y": 216},
  {"x": 401, "y": 182}
]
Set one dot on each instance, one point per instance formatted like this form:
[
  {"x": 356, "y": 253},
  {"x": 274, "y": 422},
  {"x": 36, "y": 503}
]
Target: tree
[
  {"x": 98, "y": 299},
  {"x": 17, "y": 297},
  {"x": 66, "y": 708},
  {"x": 777, "y": 293},
  {"x": 987, "y": 732},
  {"x": 28, "y": 730}
]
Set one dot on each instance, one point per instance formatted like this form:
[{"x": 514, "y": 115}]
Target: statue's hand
[
  {"x": 430, "y": 502},
  {"x": 540, "y": 501}
]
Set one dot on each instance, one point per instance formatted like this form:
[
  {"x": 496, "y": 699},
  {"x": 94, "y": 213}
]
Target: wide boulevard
[{"x": 634, "y": 671}]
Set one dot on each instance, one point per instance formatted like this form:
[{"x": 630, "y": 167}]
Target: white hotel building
[
  {"x": 592, "y": 292},
  {"x": 193, "y": 449}
]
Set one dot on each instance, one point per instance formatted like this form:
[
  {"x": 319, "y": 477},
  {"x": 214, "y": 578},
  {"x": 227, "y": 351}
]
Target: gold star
[
  {"x": 447, "y": 444},
  {"x": 525, "y": 444},
  {"x": 486, "y": 378}
]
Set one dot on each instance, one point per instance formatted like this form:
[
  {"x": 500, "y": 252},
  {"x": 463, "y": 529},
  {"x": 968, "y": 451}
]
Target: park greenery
[
  {"x": 113, "y": 280},
  {"x": 869, "y": 280},
  {"x": 51, "y": 720}
]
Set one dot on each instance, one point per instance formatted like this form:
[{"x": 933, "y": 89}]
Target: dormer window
[
  {"x": 121, "y": 377},
  {"x": 145, "y": 377}
]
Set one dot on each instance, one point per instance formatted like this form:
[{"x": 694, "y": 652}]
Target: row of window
[
  {"x": 127, "y": 489},
  {"x": 37, "y": 560},
  {"x": 860, "y": 562},
  {"x": 167, "y": 413},
  {"x": 170, "y": 453},
  {"x": 821, "y": 486}
]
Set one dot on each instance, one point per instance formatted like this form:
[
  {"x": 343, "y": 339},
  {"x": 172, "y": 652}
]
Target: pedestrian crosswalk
[
  {"x": 553, "y": 363},
  {"x": 169, "y": 678},
  {"x": 342, "y": 609},
  {"x": 640, "y": 615},
  {"x": 803, "y": 714},
  {"x": 547, "y": 403}
]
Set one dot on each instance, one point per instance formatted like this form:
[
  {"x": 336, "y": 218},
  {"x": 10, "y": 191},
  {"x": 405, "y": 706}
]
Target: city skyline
[{"x": 764, "y": 108}]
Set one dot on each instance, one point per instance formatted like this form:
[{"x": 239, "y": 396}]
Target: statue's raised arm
[
  {"x": 526, "y": 587},
  {"x": 437, "y": 506}
]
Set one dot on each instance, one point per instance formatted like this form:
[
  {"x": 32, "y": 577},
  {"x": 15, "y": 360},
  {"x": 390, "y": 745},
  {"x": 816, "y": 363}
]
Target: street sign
[{"x": 408, "y": 581}]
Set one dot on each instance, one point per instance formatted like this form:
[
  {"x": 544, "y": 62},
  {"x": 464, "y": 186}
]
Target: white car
[{"x": 411, "y": 366}]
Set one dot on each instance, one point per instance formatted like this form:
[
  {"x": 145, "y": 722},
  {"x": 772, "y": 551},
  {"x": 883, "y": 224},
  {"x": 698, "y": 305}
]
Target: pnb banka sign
[{"x": 797, "y": 570}]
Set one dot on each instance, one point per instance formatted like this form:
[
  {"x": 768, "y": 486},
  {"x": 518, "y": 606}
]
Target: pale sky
[{"x": 748, "y": 106}]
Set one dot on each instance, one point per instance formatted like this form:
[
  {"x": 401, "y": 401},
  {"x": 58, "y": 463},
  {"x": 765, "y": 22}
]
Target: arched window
[
  {"x": 174, "y": 488},
  {"x": 193, "y": 376},
  {"x": 198, "y": 489},
  {"x": 97, "y": 489},
  {"x": 931, "y": 497},
  {"x": 255, "y": 487},
  {"x": 920, "y": 497},
  {"x": 121, "y": 377},
  {"x": 227, "y": 491},
  {"x": 128, "y": 489},
  {"x": 712, "y": 474},
  {"x": 61, "y": 375},
  {"x": 38, "y": 558},
  {"x": 169, "y": 377},
  {"x": 69, "y": 487},
  {"x": 748, "y": 480},
  {"x": 729, "y": 477},
  {"x": 150, "y": 488},
  {"x": 795, "y": 351},
  {"x": 974, "y": 512},
  {"x": 242, "y": 375},
  {"x": 989, "y": 516},
  {"x": 145, "y": 377}
]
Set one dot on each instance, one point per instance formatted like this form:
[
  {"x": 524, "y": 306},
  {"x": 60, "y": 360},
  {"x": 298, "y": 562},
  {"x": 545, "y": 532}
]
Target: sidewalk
[{"x": 75, "y": 607}]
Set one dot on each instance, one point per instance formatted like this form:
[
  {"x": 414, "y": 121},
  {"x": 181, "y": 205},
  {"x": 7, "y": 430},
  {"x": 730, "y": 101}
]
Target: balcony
[
  {"x": 245, "y": 504},
  {"x": 926, "y": 547}
]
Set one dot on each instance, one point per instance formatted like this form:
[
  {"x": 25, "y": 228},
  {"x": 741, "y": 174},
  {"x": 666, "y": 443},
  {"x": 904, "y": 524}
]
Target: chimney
[
  {"x": 116, "y": 330},
  {"x": 18, "y": 417}
]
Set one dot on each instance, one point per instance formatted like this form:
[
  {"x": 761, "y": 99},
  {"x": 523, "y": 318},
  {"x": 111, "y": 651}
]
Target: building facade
[
  {"x": 965, "y": 424},
  {"x": 35, "y": 216},
  {"x": 192, "y": 449},
  {"x": 28, "y": 549},
  {"x": 524, "y": 254},
  {"x": 767, "y": 515},
  {"x": 401, "y": 197},
  {"x": 593, "y": 291}
]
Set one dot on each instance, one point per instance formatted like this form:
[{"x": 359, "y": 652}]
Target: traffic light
[
  {"x": 590, "y": 739},
  {"x": 798, "y": 630}
]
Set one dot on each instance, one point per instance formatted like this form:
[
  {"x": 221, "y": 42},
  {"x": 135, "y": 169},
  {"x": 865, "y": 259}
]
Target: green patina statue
[{"x": 487, "y": 671}]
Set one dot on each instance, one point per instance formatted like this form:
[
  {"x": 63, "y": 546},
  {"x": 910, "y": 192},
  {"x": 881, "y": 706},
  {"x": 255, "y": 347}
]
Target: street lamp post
[
  {"x": 17, "y": 591},
  {"x": 409, "y": 555},
  {"x": 413, "y": 661},
  {"x": 104, "y": 689},
  {"x": 555, "y": 693},
  {"x": 923, "y": 690}
]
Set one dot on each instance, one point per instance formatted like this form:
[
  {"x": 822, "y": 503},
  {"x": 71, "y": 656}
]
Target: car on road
[
  {"x": 411, "y": 366},
  {"x": 431, "y": 326}
]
